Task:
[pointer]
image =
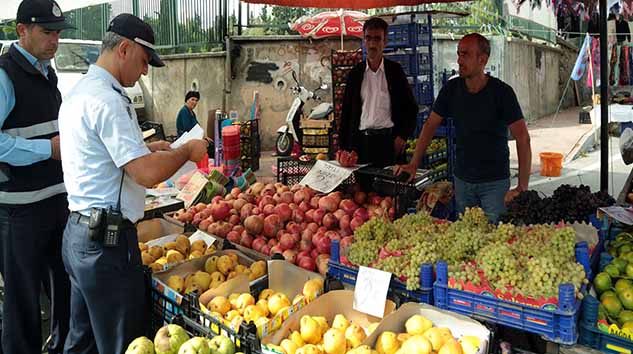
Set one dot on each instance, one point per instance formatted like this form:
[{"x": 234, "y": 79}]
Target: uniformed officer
[
  {"x": 33, "y": 207},
  {"x": 107, "y": 164}
]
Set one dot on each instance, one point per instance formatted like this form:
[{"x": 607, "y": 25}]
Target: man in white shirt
[
  {"x": 107, "y": 167},
  {"x": 379, "y": 110}
]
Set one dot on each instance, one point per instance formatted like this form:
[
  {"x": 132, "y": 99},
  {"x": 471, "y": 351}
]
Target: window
[{"x": 76, "y": 56}]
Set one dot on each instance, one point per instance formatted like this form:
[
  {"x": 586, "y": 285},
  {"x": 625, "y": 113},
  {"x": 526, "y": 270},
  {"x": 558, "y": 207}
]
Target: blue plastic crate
[
  {"x": 423, "y": 92},
  {"x": 560, "y": 326},
  {"x": 594, "y": 338},
  {"x": 412, "y": 64},
  {"x": 409, "y": 35},
  {"x": 397, "y": 289}
]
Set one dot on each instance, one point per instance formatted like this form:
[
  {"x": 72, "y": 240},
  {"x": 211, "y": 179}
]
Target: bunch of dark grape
[{"x": 568, "y": 203}]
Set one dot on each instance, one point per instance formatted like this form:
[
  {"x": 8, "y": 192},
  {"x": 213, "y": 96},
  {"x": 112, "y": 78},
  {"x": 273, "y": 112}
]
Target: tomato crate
[
  {"x": 559, "y": 325},
  {"x": 591, "y": 336},
  {"x": 398, "y": 292}
]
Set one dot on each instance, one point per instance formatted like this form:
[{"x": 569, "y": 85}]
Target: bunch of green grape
[
  {"x": 377, "y": 229},
  {"x": 363, "y": 252},
  {"x": 500, "y": 266}
]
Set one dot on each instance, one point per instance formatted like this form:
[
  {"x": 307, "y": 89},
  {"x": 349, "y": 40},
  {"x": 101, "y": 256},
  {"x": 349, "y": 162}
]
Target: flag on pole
[{"x": 581, "y": 61}]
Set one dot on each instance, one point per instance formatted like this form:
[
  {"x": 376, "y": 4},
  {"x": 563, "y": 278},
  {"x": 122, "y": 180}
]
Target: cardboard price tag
[
  {"x": 192, "y": 189},
  {"x": 325, "y": 176},
  {"x": 370, "y": 293}
]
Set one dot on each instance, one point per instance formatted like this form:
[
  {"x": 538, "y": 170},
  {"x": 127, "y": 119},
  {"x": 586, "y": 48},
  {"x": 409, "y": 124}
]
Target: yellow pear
[
  {"x": 276, "y": 348},
  {"x": 195, "y": 254},
  {"x": 258, "y": 269},
  {"x": 169, "y": 246},
  {"x": 174, "y": 256},
  {"x": 220, "y": 304},
  {"x": 224, "y": 265},
  {"x": 244, "y": 300},
  {"x": 435, "y": 336},
  {"x": 355, "y": 335},
  {"x": 312, "y": 288},
  {"x": 363, "y": 349},
  {"x": 416, "y": 344},
  {"x": 176, "y": 282},
  {"x": 198, "y": 245},
  {"x": 340, "y": 322},
  {"x": 263, "y": 305},
  {"x": 265, "y": 294},
  {"x": 232, "y": 314},
  {"x": 210, "y": 250},
  {"x": 240, "y": 268},
  {"x": 417, "y": 324},
  {"x": 162, "y": 261},
  {"x": 236, "y": 322},
  {"x": 253, "y": 313},
  {"x": 372, "y": 327},
  {"x": 234, "y": 259},
  {"x": 147, "y": 258},
  {"x": 387, "y": 343},
  {"x": 334, "y": 342},
  {"x": 310, "y": 330},
  {"x": 233, "y": 300},
  {"x": 322, "y": 321},
  {"x": 182, "y": 244},
  {"x": 470, "y": 344},
  {"x": 202, "y": 279},
  {"x": 403, "y": 336},
  {"x": 446, "y": 333},
  {"x": 298, "y": 299},
  {"x": 276, "y": 302},
  {"x": 156, "y": 267},
  {"x": 142, "y": 247},
  {"x": 309, "y": 349},
  {"x": 295, "y": 337},
  {"x": 289, "y": 346},
  {"x": 451, "y": 347},
  {"x": 210, "y": 265},
  {"x": 156, "y": 252}
]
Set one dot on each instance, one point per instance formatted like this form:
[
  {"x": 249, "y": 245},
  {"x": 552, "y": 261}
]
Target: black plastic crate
[{"x": 291, "y": 171}]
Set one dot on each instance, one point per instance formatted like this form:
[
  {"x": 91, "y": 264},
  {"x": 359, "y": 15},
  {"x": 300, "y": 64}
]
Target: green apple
[
  {"x": 195, "y": 345},
  {"x": 169, "y": 339},
  {"x": 141, "y": 345},
  {"x": 221, "y": 345}
]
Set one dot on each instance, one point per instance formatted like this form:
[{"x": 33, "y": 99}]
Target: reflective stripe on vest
[
  {"x": 33, "y": 196},
  {"x": 32, "y": 131}
]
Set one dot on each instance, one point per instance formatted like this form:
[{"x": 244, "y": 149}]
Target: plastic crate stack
[
  {"x": 250, "y": 144},
  {"x": 342, "y": 62}
]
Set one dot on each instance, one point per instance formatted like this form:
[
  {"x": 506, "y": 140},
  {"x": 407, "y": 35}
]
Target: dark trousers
[
  {"x": 30, "y": 257},
  {"x": 107, "y": 291},
  {"x": 378, "y": 150}
]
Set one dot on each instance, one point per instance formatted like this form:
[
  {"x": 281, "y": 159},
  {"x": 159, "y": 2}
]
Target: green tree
[{"x": 7, "y": 31}]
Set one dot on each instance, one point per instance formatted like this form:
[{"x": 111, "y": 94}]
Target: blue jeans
[{"x": 488, "y": 196}]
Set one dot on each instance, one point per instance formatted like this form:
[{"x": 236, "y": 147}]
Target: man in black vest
[
  {"x": 379, "y": 110},
  {"x": 33, "y": 206}
]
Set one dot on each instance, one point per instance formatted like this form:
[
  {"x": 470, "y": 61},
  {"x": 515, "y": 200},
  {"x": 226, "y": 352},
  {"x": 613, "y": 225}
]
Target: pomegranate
[
  {"x": 330, "y": 221},
  {"x": 360, "y": 198},
  {"x": 290, "y": 256},
  {"x": 233, "y": 236},
  {"x": 259, "y": 243},
  {"x": 284, "y": 211},
  {"x": 307, "y": 263},
  {"x": 287, "y": 242},
  {"x": 254, "y": 224},
  {"x": 328, "y": 204},
  {"x": 298, "y": 215},
  {"x": 246, "y": 240}
]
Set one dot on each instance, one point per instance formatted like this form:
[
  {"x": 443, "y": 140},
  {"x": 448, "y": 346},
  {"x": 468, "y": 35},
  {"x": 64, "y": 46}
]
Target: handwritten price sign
[{"x": 326, "y": 176}]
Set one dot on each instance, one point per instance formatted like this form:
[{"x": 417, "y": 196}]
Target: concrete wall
[
  {"x": 165, "y": 88},
  {"x": 531, "y": 69},
  {"x": 264, "y": 65}
]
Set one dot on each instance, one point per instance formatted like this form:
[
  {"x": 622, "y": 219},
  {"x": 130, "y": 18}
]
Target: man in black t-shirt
[{"x": 482, "y": 108}]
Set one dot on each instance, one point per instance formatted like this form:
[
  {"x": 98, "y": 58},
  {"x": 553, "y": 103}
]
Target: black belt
[
  {"x": 82, "y": 219},
  {"x": 372, "y": 132}
]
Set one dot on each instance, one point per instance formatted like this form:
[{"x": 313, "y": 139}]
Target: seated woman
[{"x": 187, "y": 117}]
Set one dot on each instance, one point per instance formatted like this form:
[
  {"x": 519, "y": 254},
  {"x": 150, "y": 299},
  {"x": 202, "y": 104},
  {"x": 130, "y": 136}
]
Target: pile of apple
[
  {"x": 296, "y": 221},
  {"x": 245, "y": 307},
  {"x": 172, "y": 339}
]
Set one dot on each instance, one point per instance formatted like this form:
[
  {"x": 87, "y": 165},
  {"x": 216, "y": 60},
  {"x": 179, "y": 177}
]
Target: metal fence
[{"x": 179, "y": 25}]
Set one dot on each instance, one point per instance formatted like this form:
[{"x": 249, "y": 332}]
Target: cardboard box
[
  {"x": 198, "y": 235},
  {"x": 284, "y": 278},
  {"x": 159, "y": 280},
  {"x": 458, "y": 324},
  {"x": 327, "y": 305},
  {"x": 155, "y": 228}
]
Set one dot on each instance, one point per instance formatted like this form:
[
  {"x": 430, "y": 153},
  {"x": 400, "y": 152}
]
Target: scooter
[{"x": 290, "y": 133}]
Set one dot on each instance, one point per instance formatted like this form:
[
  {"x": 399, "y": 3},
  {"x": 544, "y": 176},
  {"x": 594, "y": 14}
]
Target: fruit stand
[{"x": 273, "y": 268}]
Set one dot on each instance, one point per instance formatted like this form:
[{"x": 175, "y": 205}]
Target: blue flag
[{"x": 581, "y": 61}]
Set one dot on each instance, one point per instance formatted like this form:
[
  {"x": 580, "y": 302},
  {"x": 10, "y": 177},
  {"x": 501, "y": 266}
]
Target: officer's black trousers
[
  {"x": 30, "y": 256},
  {"x": 107, "y": 291}
]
